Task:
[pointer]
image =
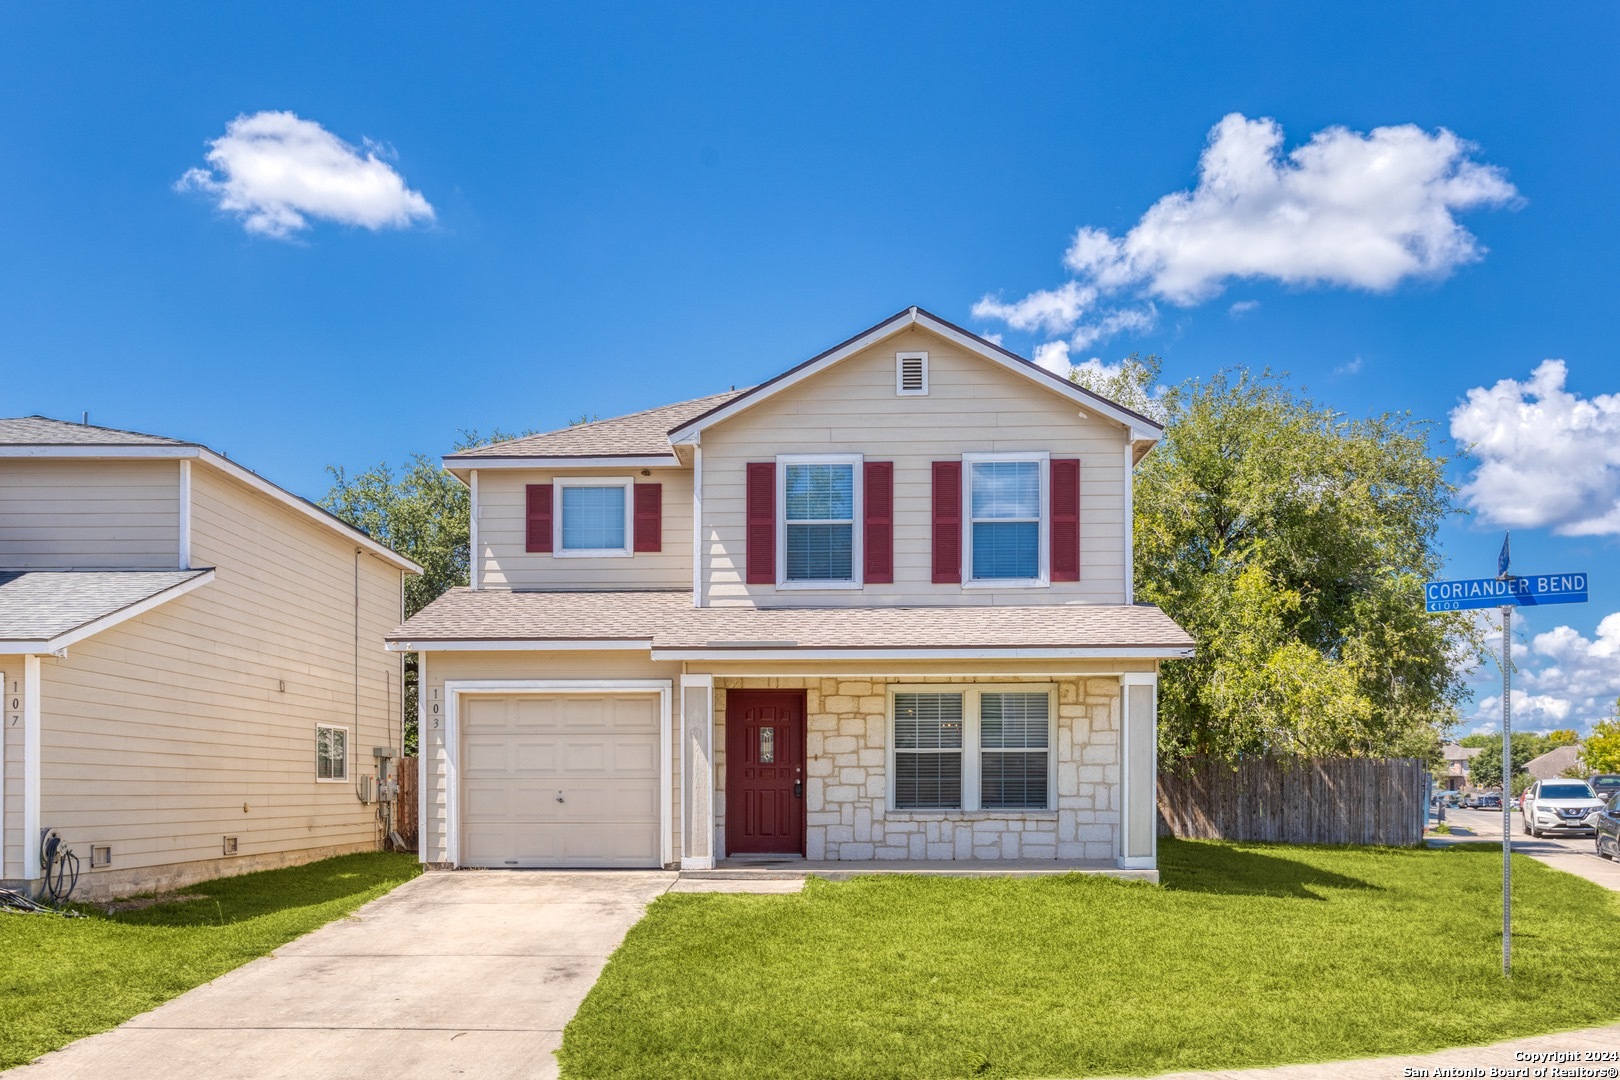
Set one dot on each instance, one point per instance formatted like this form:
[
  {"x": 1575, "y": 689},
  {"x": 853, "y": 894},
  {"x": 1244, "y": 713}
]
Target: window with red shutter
[
  {"x": 537, "y": 517},
  {"x": 947, "y": 522},
  {"x": 649, "y": 517},
  {"x": 1065, "y": 508},
  {"x": 878, "y": 546},
  {"x": 760, "y": 543}
]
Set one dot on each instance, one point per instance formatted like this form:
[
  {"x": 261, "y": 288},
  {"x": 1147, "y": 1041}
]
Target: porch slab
[{"x": 791, "y": 869}]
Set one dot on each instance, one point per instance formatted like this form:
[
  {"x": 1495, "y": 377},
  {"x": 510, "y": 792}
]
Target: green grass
[
  {"x": 1247, "y": 955},
  {"x": 62, "y": 979}
]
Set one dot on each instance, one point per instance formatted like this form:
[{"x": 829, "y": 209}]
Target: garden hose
[{"x": 61, "y": 868}]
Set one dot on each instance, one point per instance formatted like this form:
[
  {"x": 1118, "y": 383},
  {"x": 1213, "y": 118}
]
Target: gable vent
[{"x": 911, "y": 374}]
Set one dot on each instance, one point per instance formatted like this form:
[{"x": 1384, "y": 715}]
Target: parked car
[
  {"x": 1604, "y": 785},
  {"x": 1489, "y": 800},
  {"x": 1559, "y": 806},
  {"x": 1606, "y": 829}
]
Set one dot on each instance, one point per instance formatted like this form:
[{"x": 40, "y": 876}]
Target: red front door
[{"x": 765, "y": 772}]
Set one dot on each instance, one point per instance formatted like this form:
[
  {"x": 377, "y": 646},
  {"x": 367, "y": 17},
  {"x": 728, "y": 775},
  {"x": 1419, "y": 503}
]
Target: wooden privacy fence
[
  {"x": 1296, "y": 800},
  {"x": 405, "y": 808}
]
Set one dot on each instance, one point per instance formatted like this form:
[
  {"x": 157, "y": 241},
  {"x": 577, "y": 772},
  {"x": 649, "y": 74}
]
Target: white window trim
[
  {"x": 972, "y": 797},
  {"x": 899, "y": 365},
  {"x": 344, "y": 779},
  {"x": 1043, "y": 529},
  {"x": 857, "y": 508},
  {"x": 626, "y": 482}
]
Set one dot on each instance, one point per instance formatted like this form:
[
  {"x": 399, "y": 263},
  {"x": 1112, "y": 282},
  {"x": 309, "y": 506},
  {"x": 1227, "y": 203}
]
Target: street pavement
[{"x": 1574, "y": 854}]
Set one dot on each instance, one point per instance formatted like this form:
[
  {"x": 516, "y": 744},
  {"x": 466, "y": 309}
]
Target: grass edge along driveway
[
  {"x": 62, "y": 979},
  {"x": 1247, "y": 955}
]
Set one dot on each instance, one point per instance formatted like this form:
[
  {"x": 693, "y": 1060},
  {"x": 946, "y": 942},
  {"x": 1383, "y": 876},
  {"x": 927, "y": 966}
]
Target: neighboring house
[
  {"x": 194, "y": 682},
  {"x": 878, "y": 607},
  {"x": 1457, "y": 759},
  {"x": 1554, "y": 763}
]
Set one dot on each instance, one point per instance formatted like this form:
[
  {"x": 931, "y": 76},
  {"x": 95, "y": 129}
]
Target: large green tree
[{"x": 1292, "y": 543}]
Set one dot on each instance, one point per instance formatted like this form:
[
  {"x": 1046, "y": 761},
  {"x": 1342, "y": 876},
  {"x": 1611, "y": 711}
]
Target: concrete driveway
[{"x": 452, "y": 974}]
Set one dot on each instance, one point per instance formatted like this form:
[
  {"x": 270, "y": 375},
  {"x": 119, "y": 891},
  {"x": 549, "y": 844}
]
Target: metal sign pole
[{"x": 1507, "y": 788}]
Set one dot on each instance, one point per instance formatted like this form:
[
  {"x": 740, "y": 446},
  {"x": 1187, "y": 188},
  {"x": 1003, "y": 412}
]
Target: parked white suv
[{"x": 1559, "y": 806}]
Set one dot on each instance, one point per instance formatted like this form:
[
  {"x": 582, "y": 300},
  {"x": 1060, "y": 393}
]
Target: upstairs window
[
  {"x": 1006, "y": 530},
  {"x": 820, "y": 544},
  {"x": 594, "y": 518}
]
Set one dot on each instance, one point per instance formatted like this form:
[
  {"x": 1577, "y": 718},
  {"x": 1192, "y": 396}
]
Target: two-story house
[
  {"x": 194, "y": 679},
  {"x": 878, "y": 607}
]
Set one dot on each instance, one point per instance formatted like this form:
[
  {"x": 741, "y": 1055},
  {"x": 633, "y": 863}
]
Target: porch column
[
  {"x": 1139, "y": 772},
  {"x": 697, "y": 780}
]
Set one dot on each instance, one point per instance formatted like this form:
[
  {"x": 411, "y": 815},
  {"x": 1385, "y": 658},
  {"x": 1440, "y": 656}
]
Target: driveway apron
[{"x": 470, "y": 973}]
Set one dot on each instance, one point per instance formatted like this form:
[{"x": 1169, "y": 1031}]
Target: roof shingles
[
  {"x": 38, "y": 605},
  {"x": 667, "y": 620},
  {"x": 635, "y": 435}
]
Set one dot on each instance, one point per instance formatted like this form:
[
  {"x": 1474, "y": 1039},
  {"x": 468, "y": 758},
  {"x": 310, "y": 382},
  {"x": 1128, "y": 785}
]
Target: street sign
[{"x": 1530, "y": 590}]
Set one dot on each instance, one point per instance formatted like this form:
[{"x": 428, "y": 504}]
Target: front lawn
[
  {"x": 1247, "y": 955},
  {"x": 62, "y": 979}
]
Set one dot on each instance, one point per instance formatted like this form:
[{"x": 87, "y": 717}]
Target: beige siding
[
  {"x": 196, "y": 721},
  {"x": 11, "y": 769},
  {"x": 453, "y": 666},
  {"x": 972, "y": 406},
  {"x": 59, "y": 515},
  {"x": 503, "y": 564}
]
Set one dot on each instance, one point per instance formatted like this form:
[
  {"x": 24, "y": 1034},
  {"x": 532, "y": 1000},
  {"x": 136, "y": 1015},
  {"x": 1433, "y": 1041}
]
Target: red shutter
[
  {"x": 1065, "y": 504},
  {"x": 649, "y": 517},
  {"x": 947, "y": 522},
  {"x": 537, "y": 517},
  {"x": 761, "y": 543},
  {"x": 878, "y": 540}
]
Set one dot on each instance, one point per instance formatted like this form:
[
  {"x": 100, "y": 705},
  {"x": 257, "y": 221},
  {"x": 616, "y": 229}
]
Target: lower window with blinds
[
  {"x": 977, "y": 748},
  {"x": 1013, "y": 750},
  {"x": 927, "y": 751}
]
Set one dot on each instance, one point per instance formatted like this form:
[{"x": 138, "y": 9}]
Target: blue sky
[{"x": 552, "y": 211}]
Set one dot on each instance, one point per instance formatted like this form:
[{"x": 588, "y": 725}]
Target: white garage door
[{"x": 560, "y": 780}]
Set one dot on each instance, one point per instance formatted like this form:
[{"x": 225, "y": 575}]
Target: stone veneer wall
[{"x": 846, "y": 789}]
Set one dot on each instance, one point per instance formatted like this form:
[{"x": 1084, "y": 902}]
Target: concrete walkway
[{"x": 451, "y": 974}]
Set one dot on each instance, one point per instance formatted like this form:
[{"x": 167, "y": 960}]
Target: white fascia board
[
  {"x": 689, "y": 431},
  {"x": 1139, "y": 426},
  {"x": 110, "y": 453},
  {"x": 61, "y": 641},
  {"x": 626, "y": 461},
  {"x": 309, "y": 510},
  {"x": 974, "y": 653},
  {"x": 229, "y": 468},
  {"x": 523, "y": 645}
]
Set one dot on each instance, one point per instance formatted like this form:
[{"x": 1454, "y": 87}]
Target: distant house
[
  {"x": 1554, "y": 763},
  {"x": 194, "y": 682},
  {"x": 1457, "y": 759}
]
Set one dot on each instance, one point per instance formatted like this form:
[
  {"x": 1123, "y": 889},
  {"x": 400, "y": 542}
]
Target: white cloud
[
  {"x": 1055, "y": 311},
  {"x": 1562, "y": 679},
  {"x": 275, "y": 171},
  {"x": 1243, "y": 307},
  {"x": 1054, "y": 357},
  {"x": 1351, "y": 210},
  {"x": 1546, "y": 457},
  {"x": 1352, "y": 367}
]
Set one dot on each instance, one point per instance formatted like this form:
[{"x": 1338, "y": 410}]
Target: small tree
[
  {"x": 1601, "y": 751},
  {"x": 1485, "y": 768},
  {"x": 422, "y": 512}
]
